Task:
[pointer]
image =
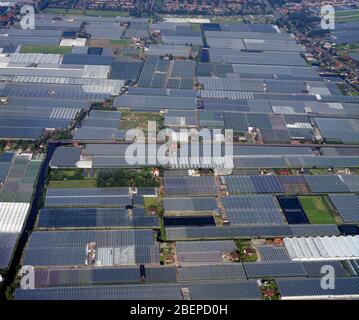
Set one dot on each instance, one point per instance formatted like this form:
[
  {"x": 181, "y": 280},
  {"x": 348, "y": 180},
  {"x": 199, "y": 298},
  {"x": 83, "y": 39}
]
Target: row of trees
[{"x": 126, "y": 178}]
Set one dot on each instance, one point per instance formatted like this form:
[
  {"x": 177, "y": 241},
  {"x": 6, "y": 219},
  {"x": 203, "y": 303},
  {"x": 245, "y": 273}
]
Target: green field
[
  {"x": 319, "y": 171},
  {"x": 347, "y": 16},
  {"x": 259, "y": 18},
  {"x": 139, "y": 120},
  {"x": 196, "y": 27},
  {"x": 72, "y": 184},
  {"x": 227, "y": 19},
  {"x": 151, "y": 202},
  {"x": 318, "y": 209},
  {"x": 121, "y": 43},
  {"x": 103, "y": 13},
  {"x": 45, "y": 49}
]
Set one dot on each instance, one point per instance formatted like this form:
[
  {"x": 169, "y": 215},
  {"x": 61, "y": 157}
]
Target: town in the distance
[{"x": 107, "y": 112}]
